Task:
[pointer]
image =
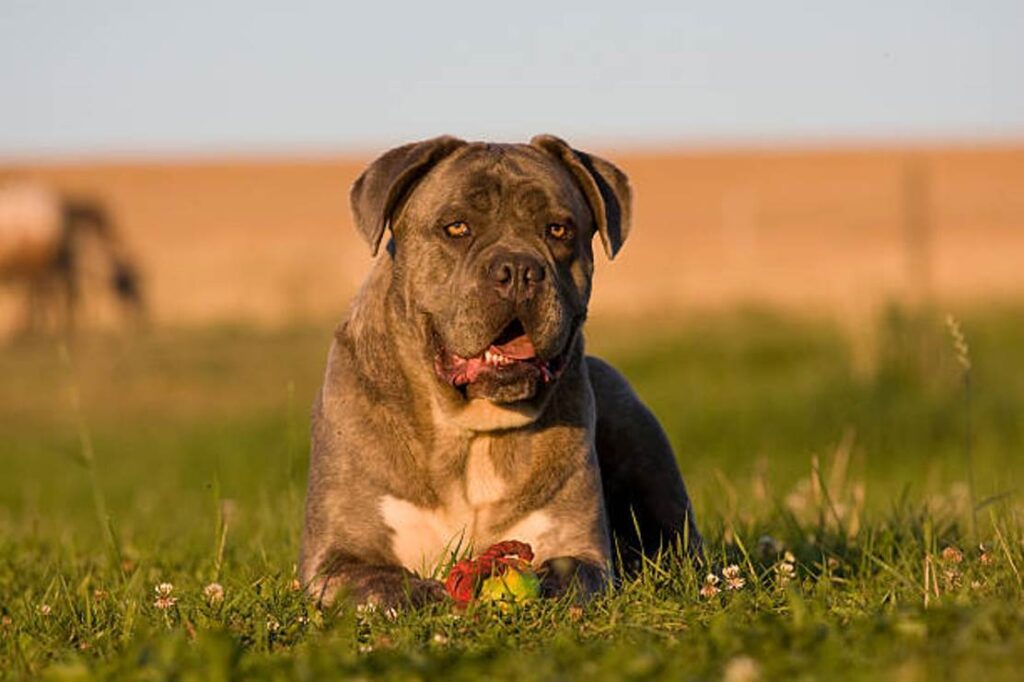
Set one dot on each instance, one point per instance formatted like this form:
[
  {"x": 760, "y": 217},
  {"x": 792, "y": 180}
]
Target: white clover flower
[
  {"x": 952, "y": 555},
  {"x": 164, "y": 596},
  {"x": 710, "y": 588},
  {"x": 733, "y": 579},
  {"x": 214, "y": 593},
  {"x": 785, "y": 570},
  {"x": 741, "y": 669}
]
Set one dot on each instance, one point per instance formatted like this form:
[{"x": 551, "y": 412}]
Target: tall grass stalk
[
  {"x": 220, "y": 539},
  {"x": 963, "y": 357},
  {"x": 87, "y": 458}
]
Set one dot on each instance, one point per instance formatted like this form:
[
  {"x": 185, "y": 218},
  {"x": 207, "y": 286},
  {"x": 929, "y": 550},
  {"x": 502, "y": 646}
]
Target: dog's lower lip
[
  {"x": 464, "y": 371},
  {"x": 461, "y": 371}
]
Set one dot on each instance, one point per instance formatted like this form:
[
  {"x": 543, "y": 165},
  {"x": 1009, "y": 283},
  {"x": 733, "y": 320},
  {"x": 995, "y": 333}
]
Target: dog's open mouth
[{"x": 509, "y": 358}]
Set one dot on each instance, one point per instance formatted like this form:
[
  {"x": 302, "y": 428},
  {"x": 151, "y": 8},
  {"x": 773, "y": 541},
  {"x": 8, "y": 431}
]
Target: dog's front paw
[
  {"x": 399, "y": 592},
  {"x": 563, "y": 574},
  {"x": 381, "y": 587},
  {"x": 424, "y": 591}
]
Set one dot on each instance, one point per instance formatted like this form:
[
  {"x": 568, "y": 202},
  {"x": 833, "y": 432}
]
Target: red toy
[{"x": 466, "y": 576}]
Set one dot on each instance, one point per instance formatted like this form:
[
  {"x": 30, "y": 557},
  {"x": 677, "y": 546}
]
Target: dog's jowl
[{"x": 458, "y": 407}]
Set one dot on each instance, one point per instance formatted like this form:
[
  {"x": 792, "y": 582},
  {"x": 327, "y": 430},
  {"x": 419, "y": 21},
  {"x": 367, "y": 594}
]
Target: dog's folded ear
[
  {"x": 604, "y": 185},
  {"x": 379, "y": 191}
]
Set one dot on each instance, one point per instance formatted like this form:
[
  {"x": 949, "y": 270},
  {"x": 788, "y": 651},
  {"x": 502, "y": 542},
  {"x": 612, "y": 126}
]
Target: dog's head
[{"x": 492, "y": 258}]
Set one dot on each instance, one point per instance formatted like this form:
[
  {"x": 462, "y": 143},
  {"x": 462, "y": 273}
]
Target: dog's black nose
[{"x": 515, "y": 276}]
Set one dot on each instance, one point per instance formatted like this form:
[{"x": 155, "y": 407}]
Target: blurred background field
[{"x": 840, "y": 232}]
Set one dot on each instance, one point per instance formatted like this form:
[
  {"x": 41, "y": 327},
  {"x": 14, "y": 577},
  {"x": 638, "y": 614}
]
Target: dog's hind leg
[{"x": 646, "y": 501}]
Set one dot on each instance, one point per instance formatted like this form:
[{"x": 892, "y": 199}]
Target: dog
[{"x": 458, "y": 408}]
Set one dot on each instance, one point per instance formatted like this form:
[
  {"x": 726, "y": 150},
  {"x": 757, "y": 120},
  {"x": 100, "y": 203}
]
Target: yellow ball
[{"x": 514, "y": 585}]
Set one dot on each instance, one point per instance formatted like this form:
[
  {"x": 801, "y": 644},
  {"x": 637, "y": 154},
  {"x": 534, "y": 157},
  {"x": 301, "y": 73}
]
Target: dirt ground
[{"x": 838, "y": 231}]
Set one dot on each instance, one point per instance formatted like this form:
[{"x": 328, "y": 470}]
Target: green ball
[{"x": 512, "y": 586}]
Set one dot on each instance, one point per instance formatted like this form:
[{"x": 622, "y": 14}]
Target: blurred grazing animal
[{"x": 42, "y": 240}]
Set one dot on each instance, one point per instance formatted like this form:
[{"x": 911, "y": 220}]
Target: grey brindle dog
[{"x": 458, "y": 408}]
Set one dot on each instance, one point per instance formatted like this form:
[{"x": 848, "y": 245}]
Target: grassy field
[{"x": 839, "y": 481}]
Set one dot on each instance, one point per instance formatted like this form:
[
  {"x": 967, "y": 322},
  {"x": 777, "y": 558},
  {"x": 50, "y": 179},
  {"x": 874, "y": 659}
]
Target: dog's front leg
[{"x": 382, "y": 586}]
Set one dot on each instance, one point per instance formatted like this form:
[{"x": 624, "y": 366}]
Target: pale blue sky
[{"x": 94, "y": 77}]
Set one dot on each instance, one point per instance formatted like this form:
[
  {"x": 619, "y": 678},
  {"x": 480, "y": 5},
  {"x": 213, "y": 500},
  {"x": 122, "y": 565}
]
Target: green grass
[{"x": 791, "y": 439}]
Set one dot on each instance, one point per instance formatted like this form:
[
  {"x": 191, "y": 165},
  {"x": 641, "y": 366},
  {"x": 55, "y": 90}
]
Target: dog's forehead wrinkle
[
  {"x": 481, "y": 191},
  {"x": 530, "y": 200},
  {"x": 500, "y": 187}
]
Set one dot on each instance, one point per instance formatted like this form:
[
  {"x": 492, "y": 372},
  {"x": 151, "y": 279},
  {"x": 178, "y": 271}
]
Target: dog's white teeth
[{"x": 496, "y": 359}]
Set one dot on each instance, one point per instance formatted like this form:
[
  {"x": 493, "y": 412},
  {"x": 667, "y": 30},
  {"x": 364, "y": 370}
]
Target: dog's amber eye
[
  {"x": 560, "y": 232},
  {"x": 457, "y": 229}
]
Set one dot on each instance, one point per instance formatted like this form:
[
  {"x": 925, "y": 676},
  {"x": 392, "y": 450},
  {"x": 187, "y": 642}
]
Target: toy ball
[{"x": 513, "y": 585}]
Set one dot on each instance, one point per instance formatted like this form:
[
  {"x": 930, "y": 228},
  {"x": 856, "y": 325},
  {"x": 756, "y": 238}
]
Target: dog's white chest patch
[
  {"x": 423, "y": 538},
  {"x": 483, "y": 484}
]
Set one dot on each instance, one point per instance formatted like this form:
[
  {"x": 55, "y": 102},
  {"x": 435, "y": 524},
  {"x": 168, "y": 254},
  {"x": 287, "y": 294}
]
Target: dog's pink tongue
[{"x": 519, "y": 348}]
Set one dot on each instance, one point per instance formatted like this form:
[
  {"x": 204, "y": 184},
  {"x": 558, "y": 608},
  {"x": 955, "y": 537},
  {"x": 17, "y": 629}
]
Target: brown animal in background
[
  {"x": 42, "y": 237},
  {"x": 459, "y": 408}
]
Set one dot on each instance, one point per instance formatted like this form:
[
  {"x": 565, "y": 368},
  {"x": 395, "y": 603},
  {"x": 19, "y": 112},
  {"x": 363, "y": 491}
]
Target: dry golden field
[{"x": 270, "y": 240}]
